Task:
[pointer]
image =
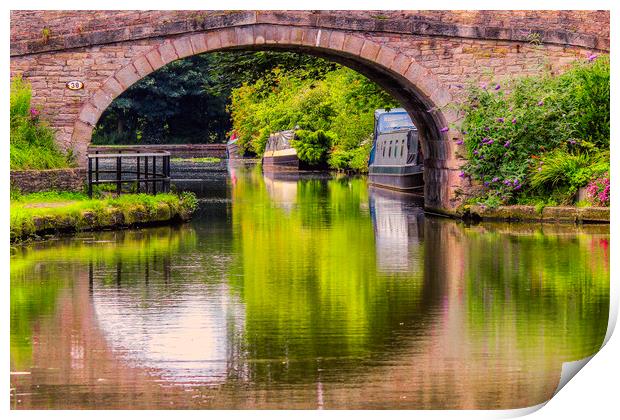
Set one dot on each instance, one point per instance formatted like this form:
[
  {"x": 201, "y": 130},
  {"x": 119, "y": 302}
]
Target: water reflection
[
  {"x": 398, "y": 222},
  {"x": 313, "y": 293}
]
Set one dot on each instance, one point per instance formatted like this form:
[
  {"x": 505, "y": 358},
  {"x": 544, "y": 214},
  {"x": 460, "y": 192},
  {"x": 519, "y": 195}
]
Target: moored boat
[
  {"x": 395, "y": 158},
  {"x": 279, "y": 153}
]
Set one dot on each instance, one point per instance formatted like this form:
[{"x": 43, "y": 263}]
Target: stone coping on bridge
[
  {"x": 555, "y": 214},
  {"x": 422, "y": 23}
]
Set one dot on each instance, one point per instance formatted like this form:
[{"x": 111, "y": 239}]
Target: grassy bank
[{"x": 51, "y": 212}]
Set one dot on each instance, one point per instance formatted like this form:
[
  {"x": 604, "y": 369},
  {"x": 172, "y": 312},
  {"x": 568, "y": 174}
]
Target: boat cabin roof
[{"x": 396, "y": 119}]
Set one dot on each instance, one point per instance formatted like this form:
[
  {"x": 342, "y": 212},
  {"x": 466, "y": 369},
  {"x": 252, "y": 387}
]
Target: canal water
[{"x": 305, "y": 293}]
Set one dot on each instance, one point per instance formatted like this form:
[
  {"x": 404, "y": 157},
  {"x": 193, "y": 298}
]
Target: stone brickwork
[
  {"x": 30, "y": 181},
  {"x": 423, "y": 58}
]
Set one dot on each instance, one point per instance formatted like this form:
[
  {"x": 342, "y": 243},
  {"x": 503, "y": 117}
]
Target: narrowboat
[
  {"x": 232, "y": 147},
  {"x": 279, "y": 154},
  {"x": 395, "y": 158}
]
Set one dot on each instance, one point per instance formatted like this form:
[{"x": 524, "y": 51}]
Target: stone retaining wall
[
  {"x": 562, "y": 214},
  {"x": 29, "y": 181}
]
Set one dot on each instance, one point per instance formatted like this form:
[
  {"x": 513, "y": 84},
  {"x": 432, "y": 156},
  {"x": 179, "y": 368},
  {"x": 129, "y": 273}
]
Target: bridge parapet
[{"x": 39, "y": 31}]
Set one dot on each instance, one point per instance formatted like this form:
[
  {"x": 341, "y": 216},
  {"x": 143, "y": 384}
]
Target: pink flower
[
  {"x": 34, "y": 113},
  {"x": 541, "y": 103},
  {"x": 592, "y": 57}
]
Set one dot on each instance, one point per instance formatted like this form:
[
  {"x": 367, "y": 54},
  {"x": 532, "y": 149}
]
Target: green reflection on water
[
  {"x": 307, "y": 272},
  {"x": 327, "y": 280},
  {"x": 550, "y": 289}
]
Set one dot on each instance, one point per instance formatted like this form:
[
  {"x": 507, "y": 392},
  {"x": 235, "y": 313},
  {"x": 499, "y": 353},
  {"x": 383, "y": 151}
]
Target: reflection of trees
[
  {"x": 551, "y": 290},
  {"x": 308, "y": 279}
]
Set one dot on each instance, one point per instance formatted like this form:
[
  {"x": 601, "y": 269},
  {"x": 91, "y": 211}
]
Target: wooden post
[
  {"x": 138, "y": 172},
  {"x": 90, "y": 177},
  {"x": 118, "y": 176},
  {"x": 154, "y": 176},
  {"x": 168, "y": 173},
  {"x": 96, "y": 166}
]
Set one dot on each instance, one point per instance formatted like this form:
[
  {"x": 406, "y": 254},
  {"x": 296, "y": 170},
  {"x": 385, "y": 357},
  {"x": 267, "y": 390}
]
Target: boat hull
[
  {"x": 281, "y": 160},
  {"x": 408, "y": 178}
]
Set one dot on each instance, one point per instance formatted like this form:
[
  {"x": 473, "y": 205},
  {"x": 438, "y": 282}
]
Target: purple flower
[
  {"x": 34, "y": 113},
  {"x": 516, "y": 182},
  {"x": 462, "y": 174},
  {"x": 490, "y": 142},
  {"x": 507, "y": 182},
  {"x": 486, "y": 183},
  {"x": 500, "y": 120},
  {"x": 572, "y": 141},
  {"x": 444, "y": 130},
  {"x": 541, "y": 103},
  {"x": 518, "y": 187},
  {"x": 483, "y": 85},
  {"x": 459, "y": 142},
  {"x": 495, "y": 179},
  {"x": 475, "y": 151},
  {"x": 497, "y": 87},
  {"x": 464, "y": 132},
  {"x": 514, "y": 120},
  {"x": 592, "y": 57},
  {"x": 487, "y": 129},
  {"x": 507, "y": 144}
]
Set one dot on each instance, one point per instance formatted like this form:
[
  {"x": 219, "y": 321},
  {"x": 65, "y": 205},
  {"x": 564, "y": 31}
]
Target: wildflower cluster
[{"x": 598, "y": 190}]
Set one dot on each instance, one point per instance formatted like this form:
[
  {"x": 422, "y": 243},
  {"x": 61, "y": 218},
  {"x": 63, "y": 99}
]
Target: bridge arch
[{"x": 414, "y": 86}]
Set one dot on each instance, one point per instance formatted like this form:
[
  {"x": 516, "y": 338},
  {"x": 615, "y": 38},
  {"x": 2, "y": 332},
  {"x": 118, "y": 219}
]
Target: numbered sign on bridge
[{"x": 75, "y": 85}]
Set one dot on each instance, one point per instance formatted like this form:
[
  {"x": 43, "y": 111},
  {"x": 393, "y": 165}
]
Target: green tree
[{"x": 185, "y": 101}]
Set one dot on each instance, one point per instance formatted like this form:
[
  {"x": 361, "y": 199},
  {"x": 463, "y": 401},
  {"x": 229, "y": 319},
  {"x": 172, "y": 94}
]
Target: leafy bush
[
  {"x": 312, "y": 146},
  {"x": 33, "y": 143},
  {"x": 559, "y": 124},
  {"x": 339, "y": 102}
]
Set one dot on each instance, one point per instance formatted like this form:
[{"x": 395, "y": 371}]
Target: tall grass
[{"x": 33, "y": 143}]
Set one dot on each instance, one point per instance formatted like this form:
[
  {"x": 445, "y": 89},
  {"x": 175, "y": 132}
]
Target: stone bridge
[{"x": 423, "y": 58}]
